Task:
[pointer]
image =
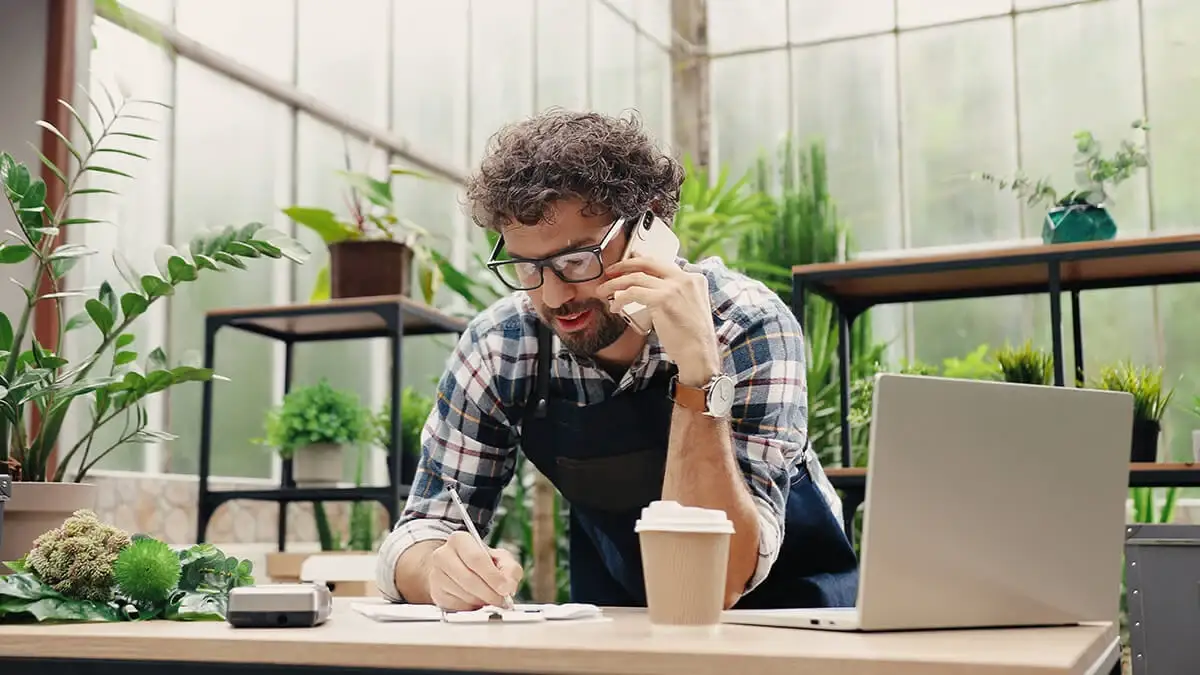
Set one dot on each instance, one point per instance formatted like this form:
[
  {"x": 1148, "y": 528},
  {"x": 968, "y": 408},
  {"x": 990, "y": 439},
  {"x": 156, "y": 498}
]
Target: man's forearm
[
  {"x": 702, "y": 471},
  {"x": 412, "y": 572}
]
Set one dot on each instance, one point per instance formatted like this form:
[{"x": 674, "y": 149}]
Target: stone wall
[{"x": 165, "y": 506}]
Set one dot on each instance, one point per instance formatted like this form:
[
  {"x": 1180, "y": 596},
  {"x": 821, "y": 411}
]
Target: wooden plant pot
[
  {"x": 317, "y": 465},
  {"x": 1144, "y": 447},
  {"x": 36, "y": 508},
  {"x": 369, "y": 268}
]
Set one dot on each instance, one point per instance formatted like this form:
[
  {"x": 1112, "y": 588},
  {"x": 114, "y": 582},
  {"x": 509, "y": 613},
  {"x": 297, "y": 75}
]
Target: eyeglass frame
[{"x": 596, "y": 249}]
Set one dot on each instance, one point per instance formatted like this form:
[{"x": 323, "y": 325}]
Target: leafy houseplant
[
  {"x": 1150, "y": 401},
  {"x": 372, "y": 249},
  {"x": 1025, "y": 365},
  {"x": 88, "y": 570},
  {"x": 363, "y": 529},
  {"x": 313, "y": 426},
  {"x": 33, "y": 376},
  {"x": 1081, "y": 214}
]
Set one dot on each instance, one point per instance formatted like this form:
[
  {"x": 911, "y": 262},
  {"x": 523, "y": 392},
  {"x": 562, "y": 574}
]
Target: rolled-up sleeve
[
  {"x": 467, "y": 442},
  {"x": 770, "y": 420}
]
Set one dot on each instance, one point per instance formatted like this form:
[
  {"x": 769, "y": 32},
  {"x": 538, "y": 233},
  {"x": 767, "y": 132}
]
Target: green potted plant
[
  {"x": 1025, "y": 365},
  {"x": 86, "y": 570},
  {"x": 414, "y": 411},
  {"x": 372, "y": 249},
  {"x": 312, "y": 427},
  {"x": 1150, "y": 400},
  {"x": 1080, "y": 214},
  {"x": 114, "y": 381}
]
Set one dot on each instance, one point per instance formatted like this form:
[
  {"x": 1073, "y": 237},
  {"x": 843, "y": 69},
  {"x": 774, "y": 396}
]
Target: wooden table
[{"x": 350, "y": 643}]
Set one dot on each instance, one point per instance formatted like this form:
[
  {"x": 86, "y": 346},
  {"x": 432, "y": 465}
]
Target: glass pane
[
  {"x": 614, "y": 72},
  {"x": 823, "y": 20},
  {"x": 343, "y": 60},
  {"x": 1174, "y": 106},
  {"x": 749, "y": 108},
  {"x": 321, "y": 151},
  {"x": 957, "y": 107},
  {"x": 958, "y": 118},
  {"x": 501, "y": 68},
  {"x": 343, "y": 56},
  {"x": 742, "y": 24},
  {"x": 911, "y": 13},
  {"x": 258, "y": 34},
  {"x": 1020, "y": 5},
  {"x": 1104, "y": 95},
  {"x": 654, "y": 89},
  {"x": 562, "y": 54},
  {"x": 137, "y": 219},
  {"x": 222, "y": 126},
  {"x": 429, "y": 78},
  {"x": 846, "y": 98},
  {"x": 654, "y": 16}
]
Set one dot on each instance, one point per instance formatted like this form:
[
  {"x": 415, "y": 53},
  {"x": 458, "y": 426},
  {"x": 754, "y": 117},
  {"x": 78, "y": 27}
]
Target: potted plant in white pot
[
  {"x": 313, "y": 427},
  {"x": 1080, "y": 214},
  {"x": 46, "y": 490}
]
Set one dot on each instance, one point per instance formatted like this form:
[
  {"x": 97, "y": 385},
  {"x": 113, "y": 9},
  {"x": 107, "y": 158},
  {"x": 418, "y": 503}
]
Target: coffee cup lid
[{"x": 669, "y": 516}]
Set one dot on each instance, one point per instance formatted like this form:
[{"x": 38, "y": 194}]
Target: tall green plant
[
  {"x": 46, "y": 381},
  {"x": 713, "y": 213},
  {"x": 805, "y": 228},
  {"x": 1150, "y": 397}
]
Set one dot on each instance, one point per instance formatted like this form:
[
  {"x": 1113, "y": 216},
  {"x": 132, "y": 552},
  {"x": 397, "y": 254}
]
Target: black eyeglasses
[{"x": 573, "y": 266}]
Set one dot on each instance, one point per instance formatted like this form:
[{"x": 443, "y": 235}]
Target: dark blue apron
[{"x": 608, "y": 461}]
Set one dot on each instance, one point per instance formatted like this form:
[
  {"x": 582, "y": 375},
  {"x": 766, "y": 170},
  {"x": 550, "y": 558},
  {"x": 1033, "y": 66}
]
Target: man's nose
[{"x": 555, "y": 291}]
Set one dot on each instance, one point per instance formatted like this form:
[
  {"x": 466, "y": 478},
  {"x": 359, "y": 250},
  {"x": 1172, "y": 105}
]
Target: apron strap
[{"x": 544, "y": 361}]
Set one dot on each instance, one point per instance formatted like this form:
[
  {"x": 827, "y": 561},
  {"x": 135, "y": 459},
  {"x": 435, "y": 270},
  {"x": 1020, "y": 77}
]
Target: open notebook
[{"x": 384, "y": 611}]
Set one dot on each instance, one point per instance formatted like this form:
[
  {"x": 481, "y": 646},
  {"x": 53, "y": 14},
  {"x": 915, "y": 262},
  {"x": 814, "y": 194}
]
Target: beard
[{"x": 605, "y": 329}]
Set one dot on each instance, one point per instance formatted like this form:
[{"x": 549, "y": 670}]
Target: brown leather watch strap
[{"x": 689, "y": 397}]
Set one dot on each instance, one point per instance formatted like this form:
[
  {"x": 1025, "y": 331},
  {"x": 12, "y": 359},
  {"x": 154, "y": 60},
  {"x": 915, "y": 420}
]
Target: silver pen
[{"x": 462, "y": 509}]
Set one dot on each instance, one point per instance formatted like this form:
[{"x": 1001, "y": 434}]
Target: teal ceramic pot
[{"x": 1078, "y": 222}]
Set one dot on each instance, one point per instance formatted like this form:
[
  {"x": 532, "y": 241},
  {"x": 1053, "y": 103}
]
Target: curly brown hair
[{"x": 609, "y": 163}]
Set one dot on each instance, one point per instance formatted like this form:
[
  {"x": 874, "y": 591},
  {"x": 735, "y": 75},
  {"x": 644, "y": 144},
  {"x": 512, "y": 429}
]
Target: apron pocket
[{"x": 616, "y": 483}]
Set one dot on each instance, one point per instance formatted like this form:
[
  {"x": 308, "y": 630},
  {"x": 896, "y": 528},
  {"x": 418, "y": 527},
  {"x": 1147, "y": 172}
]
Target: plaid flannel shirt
[{"x": 472, "y": 435}]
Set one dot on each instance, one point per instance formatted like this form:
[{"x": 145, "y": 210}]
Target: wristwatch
[{"x": 714, "y": 399}]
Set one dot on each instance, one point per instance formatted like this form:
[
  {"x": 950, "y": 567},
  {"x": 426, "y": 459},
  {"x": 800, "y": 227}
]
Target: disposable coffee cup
[{"x": 685, "y": 554}]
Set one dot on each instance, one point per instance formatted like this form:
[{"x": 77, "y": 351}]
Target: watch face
[{"x": 720, "y": 397}]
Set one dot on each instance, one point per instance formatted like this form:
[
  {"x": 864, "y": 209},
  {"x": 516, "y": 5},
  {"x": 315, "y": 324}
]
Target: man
[{"x": 615, "y": 419}]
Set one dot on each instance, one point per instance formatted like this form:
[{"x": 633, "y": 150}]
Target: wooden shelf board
[
  {"x": 1082, "y": 265},
  {"x": 354, "y": 317}
]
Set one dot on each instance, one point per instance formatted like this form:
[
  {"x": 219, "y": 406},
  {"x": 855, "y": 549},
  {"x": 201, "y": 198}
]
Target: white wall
[{"x": 22, "y": 41}]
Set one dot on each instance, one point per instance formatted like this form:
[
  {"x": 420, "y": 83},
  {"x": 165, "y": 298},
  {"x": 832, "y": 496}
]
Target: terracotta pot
[
  {"x": 36, "y": 508},
  {"x": 369, "y": 268},
  {"x": 317, "y": 465}
]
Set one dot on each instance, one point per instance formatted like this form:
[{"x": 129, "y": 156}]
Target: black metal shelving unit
[
  {"x": 854, "y": 287},
  {"x": 392, "y": 317}
]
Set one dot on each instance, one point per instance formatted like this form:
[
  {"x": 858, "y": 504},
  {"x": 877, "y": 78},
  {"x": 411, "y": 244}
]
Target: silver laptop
[{"x": 988, "y": 504}]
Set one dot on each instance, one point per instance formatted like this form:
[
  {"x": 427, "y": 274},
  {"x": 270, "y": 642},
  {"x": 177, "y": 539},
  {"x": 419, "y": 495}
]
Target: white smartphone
[{"x": 649, "y": 237}]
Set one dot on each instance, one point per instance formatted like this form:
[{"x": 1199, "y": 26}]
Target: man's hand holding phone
[
  {"x": 680, "y": 305},
  {"x": 463, "y": 577}
]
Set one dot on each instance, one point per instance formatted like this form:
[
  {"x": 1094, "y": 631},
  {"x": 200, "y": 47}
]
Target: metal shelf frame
[
  {"x": 390, "y": 317},
  {"x": 855, "y": 287}
]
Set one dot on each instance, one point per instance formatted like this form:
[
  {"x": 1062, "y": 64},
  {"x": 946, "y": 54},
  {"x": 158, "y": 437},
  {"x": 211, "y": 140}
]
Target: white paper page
[{"x": 523, "y": 613}]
